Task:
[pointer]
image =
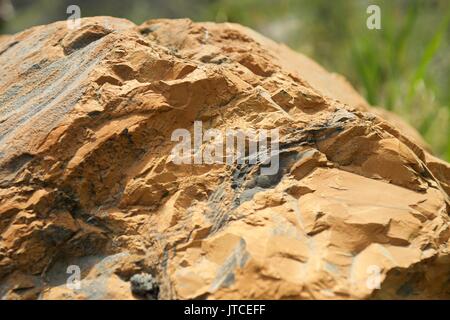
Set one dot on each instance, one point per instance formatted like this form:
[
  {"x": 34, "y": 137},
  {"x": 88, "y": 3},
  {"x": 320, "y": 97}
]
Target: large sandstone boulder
[{"x": 87, "y": 178}]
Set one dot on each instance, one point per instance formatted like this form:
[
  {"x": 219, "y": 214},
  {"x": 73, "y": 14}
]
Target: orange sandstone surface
[{"x": 87, "y": 179}]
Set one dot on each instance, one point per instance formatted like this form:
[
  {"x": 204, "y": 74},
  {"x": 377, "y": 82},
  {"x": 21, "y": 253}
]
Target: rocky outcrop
[{"x": 88, "y": 181}]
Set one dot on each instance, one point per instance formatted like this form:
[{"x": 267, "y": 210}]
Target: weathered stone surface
[{"x": 86, "y": 177}]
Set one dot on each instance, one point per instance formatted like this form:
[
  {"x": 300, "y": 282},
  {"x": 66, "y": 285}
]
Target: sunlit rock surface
[{"x": 87, "y": 180}]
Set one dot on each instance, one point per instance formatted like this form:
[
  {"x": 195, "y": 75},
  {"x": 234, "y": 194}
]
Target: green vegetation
[{"x": 404, "y": 67}]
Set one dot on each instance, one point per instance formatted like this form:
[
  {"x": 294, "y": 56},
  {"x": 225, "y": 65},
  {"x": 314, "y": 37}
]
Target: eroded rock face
[{"x": 87, "y": 178}]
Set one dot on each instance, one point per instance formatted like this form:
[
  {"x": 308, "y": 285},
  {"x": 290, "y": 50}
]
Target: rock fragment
[{"x": 144, "y": 285}]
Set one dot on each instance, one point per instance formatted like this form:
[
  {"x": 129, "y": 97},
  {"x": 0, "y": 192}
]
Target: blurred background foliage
[{"x": 404, "y": 67}]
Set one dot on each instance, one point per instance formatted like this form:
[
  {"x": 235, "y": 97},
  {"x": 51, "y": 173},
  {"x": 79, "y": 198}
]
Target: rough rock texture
[{"x": 86, "y": 176}]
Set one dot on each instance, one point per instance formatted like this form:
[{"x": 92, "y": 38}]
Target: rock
[
  {"x": 358, "y": 208},
  {"x": 144, "y": 285}
]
